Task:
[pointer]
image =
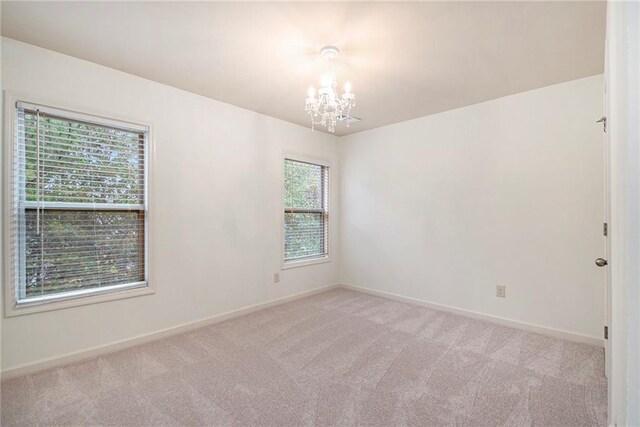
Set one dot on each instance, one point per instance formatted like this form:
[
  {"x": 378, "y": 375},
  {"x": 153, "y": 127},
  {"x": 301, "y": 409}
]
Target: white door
[{"x": 622, "y": 145}]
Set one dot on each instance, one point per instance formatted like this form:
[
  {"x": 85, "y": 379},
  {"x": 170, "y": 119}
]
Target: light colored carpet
[{"x": 335, "y": 358}]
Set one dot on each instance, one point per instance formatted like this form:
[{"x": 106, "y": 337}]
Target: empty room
[{"x": 320, "y": 213}]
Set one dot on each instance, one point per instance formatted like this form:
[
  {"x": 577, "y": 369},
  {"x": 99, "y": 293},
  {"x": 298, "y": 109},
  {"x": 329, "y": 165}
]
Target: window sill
[
  {"x": 76, "y": 299},
  {"x": 302, "y": 263}
]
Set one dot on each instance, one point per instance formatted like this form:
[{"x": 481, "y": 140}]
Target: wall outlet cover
[{"x": 501, "y": 291}]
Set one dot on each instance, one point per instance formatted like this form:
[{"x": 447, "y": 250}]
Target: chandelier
[{"x": 327, "y": 107}]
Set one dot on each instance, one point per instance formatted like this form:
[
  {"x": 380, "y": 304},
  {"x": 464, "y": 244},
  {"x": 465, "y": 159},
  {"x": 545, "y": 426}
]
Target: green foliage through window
[
  {"x": 82, "y": 249},
  {"x": 80, "y": 162}
]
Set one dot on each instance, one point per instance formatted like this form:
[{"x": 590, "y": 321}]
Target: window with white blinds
[
  {"x": 306, "y": 212},
  {"x": 79, "y": 204}
]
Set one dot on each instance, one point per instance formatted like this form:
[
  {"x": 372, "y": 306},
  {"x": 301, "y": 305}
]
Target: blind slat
[
  {"x": 47, "y": 208},
  {"x": 121, "y": 268},
  {"x": 78, "y": 274},
  {"x": 86, "y": 166},
  {"x": 91, "y": 142}
]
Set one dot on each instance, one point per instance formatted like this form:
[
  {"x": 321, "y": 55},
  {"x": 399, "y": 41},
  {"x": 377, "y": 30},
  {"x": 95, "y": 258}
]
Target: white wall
[
  {"x": 507, "y": 192},
  {"x": 215, "y": 205}
]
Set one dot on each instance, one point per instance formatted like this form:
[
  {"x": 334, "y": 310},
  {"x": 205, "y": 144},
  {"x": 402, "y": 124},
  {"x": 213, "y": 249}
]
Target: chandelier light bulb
[
  {"x": 311, "y": 92},
  {"x": 347, "y": 87}
]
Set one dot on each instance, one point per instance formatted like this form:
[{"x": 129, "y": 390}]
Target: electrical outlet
[
  {"x": 276, "y": 277},
  {"x": 501, "y": 291}
]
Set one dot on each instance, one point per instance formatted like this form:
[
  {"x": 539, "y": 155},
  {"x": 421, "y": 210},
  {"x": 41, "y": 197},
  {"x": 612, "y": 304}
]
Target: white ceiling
[{"x": 404, "y": 60}]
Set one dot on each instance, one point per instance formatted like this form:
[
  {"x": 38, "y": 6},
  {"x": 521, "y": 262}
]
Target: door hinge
[
  {"x": 603, "y": 120},
  {"x": 605, "y": 229},
  {"x": 606, "y": 332}
]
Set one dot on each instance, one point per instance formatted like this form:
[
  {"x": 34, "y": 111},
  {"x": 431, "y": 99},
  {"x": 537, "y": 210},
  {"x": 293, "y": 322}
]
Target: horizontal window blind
[
  {"x": 79, "y": 203},
  {"x": 306, "y": 215}
]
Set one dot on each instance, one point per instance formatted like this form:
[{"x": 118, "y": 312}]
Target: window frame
[
  {"x": 320, "y": 259},
  {"x": 13, "y": 306}
]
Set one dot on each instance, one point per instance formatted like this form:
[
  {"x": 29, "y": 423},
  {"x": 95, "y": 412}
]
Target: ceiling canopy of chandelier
[{"x": 326, "y": 107}]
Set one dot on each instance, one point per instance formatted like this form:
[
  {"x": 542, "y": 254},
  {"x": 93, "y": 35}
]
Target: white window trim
[
  {"x": 320, "y": 259},
  {"x": 84, "y": 296}
]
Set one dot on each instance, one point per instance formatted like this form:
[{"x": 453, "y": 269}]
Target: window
[
  {"x": 306, "y": 212},
  {"x": 79, "y": 210}
]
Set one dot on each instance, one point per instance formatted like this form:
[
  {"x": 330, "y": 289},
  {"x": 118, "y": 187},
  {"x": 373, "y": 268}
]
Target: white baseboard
[
  {"x": 141, "y": 339},
  {"x": 544, "y": 330}
]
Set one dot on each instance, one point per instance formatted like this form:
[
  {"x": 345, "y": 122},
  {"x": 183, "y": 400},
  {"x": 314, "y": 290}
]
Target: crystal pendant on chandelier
[{"x": 326, "y": 107}]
